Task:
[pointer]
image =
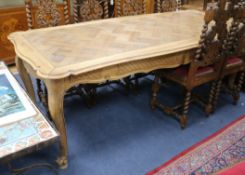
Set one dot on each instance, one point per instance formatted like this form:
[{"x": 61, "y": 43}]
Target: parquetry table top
[{"x": 78, "y": 48}]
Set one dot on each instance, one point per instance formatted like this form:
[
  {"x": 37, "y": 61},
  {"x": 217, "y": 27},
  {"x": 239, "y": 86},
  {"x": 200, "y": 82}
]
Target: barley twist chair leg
[
  {"x": 93, "y": 94},
  {"x": 209, "y": 106},
  {"x": 119, "y": 8},
  {"x": 231, "y": 81},
  {"x": 90, "y": 95},
  {"x": 158, "y": 6},
  {"x": 42, "y": 93},
  {"x": 155, "y": 90},
  {"x": 45, "y": 94},
  {"x": 183, "y": 117},
  {"x": 127, "y": 84},
  {"x": 217, "y": 93},
  {"x": 238, "y": 88},
  {"x": 39, "y": 89},
  {"x": 136, "y": 86}
]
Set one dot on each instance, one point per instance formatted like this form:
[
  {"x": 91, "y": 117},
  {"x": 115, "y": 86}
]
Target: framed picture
[{"x": 14, "y": 104}]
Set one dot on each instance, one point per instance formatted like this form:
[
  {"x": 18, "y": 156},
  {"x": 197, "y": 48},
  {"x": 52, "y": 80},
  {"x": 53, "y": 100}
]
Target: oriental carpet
[
  {"x": 121, "y": 135},
  {"x": 220, "y": 150}
]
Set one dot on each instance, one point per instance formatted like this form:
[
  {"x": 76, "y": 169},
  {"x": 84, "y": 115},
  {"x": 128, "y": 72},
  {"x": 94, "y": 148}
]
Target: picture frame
[{"x": 14, "y": 103}]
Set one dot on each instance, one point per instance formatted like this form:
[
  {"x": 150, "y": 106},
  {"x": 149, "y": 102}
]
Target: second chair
[{"x": 203, "y": 68}]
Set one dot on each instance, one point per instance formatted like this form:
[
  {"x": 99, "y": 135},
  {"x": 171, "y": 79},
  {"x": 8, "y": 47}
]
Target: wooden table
[
  {"x": 23, "y": 128},
  {"x": 93, "y": 52}
]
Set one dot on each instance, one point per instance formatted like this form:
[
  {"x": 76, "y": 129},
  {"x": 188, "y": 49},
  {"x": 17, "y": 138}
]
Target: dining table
[{"x": 102, "y": 50}]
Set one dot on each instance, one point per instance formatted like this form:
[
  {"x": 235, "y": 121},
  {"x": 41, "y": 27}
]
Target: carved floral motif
[
  {"x": 91, "y": 10},
  {"x": 169, "y": 5},
  {"x": 47, "y": 14},
  {"x": 133, "y": 7}
]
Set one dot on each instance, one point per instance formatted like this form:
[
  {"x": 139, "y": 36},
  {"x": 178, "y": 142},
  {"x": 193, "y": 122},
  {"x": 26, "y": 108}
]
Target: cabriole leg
[
  {"x": 56, "y": 93},
  {"x": 183, "y": 117}
]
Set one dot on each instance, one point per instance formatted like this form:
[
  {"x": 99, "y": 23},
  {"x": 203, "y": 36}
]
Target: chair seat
[
  {"x": 182, "y": 72},
  {"x": 233, "y": 61}
]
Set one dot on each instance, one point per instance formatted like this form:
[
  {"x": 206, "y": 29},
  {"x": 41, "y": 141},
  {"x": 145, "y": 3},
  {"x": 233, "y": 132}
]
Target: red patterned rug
[{"x": 223, "y": 149}]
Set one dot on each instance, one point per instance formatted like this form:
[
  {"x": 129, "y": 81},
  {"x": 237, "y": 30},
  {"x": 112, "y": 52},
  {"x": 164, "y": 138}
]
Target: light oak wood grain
[{"x": 75, "y": 49}]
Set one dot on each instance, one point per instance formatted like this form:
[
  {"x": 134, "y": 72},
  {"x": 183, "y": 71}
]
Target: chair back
[
  {"x": 240, "y": 45},
  {"x": 133, "y": 7},
  {"x": 212, "y": 39},
  {"x": 87, "y": 10},
  {"x": 46, "y": 13},
  {"x": 168, "y": 5},
  {"x": 236, "y": 36}
]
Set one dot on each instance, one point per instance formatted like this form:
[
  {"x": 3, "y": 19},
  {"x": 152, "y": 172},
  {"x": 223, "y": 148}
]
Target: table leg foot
[{"x": 62, "y": 162}]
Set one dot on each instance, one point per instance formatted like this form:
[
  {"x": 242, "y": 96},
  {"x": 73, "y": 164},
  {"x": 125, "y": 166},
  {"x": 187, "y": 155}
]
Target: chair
[
  {"x": 46, "y": 13},
  {"x": 203, "y": 68},
  {"x": 133, "y": 7},
  {"x": 206, "y": 2},
  {"x": 87, "y": 10},
  {"x": 168, "y": 5},
  {"x": 234, "y": 64}
]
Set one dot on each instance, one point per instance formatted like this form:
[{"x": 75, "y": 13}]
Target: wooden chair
[
  {"x": 46, "y": 13},
  {"x": 87, "y": 10},
  {"x": 204, "y": 67},
  {"x": 168, "y": 5},
  {"x": 133, "y": 7},
  {"x": 130, "y": 8},
  {"x": 234, "y": 64}
]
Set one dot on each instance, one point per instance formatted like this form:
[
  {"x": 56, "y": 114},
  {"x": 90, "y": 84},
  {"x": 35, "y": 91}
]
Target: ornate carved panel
[
  {"x": 47, "y": 13},
  {"x": 11, "y": 19},
  {"x": 87, "y": 10},
  {"x": 133, "y": 7},
  {"x": 91, "y": 10},
  {"x": 168, "y": 5}
]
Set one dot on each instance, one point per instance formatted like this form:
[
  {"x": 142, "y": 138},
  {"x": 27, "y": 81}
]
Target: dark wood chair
[
  {"x": 234, "y": 64},
  {"x": 46, "y": 13},
  {"x": 204, "y": 67},
  {"x": 167, "y": 5},
  {"x": 87, "y": 10},
  {"x": 130, "y": 8}
]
